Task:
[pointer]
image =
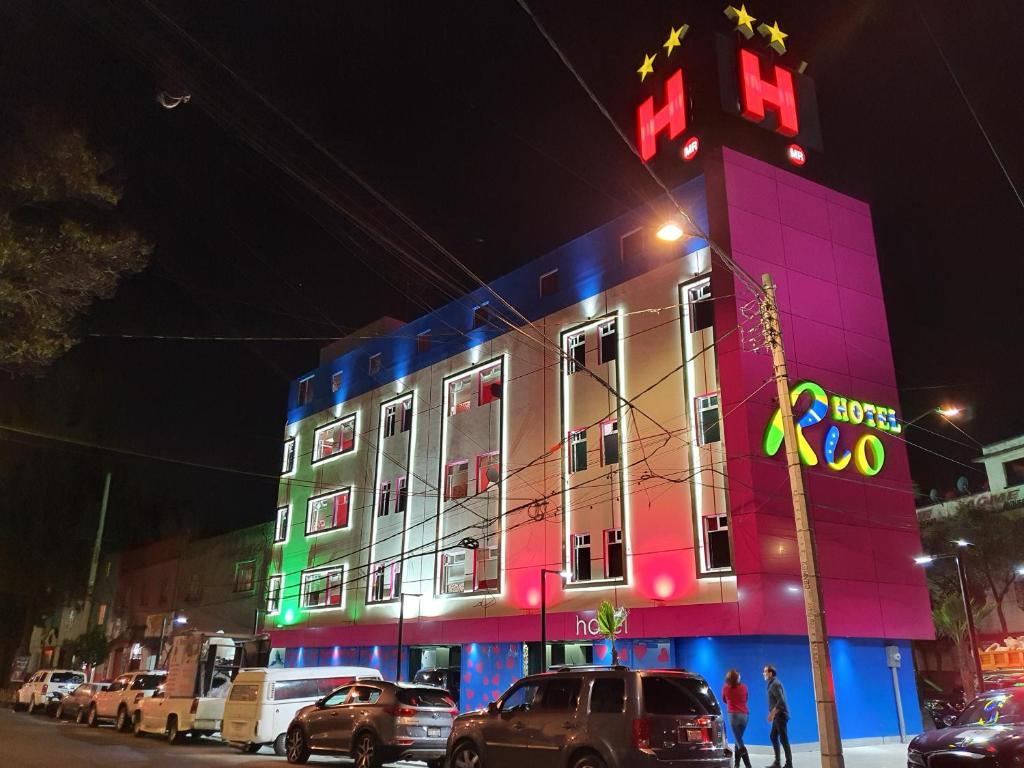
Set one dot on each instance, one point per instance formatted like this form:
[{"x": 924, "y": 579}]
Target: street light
[
  {"x": 972, "y": 634},
  {"x": 946, "y": 411},
  {"x": 670, "y": 231},
  {"x": 544, "y": 614},
  {"x": 175, "y": 619},
  {"x": 401, "y": 626}
]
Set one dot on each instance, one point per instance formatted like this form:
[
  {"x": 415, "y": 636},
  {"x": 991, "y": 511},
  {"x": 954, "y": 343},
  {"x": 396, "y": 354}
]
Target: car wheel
[
  {"x": 93, "y": 719},
  {"x": 297, "y": 748},
  {"x": 32, "y": 706},
  {"x": 80, "y": 716},
  {"x": 439, "y": 763},
  {"x": 18, "y": 706},
  {"x": 466, "y": 756},
  {"x": 122, "y": 723},
  {"x": 59, "y": 714},
  {"x": 137, "y": 725},
  {"x": 366, "y": 751},
  {"x": 281, "y": 745},
  {"x": 588, "y": 760},
  {"x": 174, "y": 736}
]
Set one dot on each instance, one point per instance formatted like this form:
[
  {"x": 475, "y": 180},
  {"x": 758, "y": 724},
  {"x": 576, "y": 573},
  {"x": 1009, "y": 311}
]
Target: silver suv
[
  {"x": 595, "y": 717},
  {"x": 376, "y": 723}
]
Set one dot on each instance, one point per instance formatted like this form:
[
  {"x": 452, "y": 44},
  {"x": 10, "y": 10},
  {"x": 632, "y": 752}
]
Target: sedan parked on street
[
  {"x": 75, "y": 705},
  {"x": 375, "y": 722},
  {"x": 989, "y": 732},
  {"x": 595, "y": 717}
]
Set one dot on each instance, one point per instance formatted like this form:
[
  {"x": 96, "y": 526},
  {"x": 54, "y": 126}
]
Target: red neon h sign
[
  {"x": 672, "y": 116},
  {"x": 755, "y": 92}
]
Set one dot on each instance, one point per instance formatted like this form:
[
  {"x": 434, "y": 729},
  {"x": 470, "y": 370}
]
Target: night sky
[{"x": 460, "y": 114}]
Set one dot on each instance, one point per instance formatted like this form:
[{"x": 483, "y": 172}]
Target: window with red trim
[
  {"x": 610, "y": 442},
  {"x": 460, "y": 395},
  {"x": 490, "y": 384},
  {"x": 334, "y": 438},
  {"x": 327, "y": 512},
  {"x": 484, "y": 462},
  {"x": 456, "y": 481},
  {"x": 305, "y": 392}
]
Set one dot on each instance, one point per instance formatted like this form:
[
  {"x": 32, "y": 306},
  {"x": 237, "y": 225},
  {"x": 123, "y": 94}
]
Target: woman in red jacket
[{"x": 734, "y": 694}]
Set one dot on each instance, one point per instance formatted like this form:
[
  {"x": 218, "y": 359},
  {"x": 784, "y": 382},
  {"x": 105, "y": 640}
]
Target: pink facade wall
[{"x": 819, "y": 248}]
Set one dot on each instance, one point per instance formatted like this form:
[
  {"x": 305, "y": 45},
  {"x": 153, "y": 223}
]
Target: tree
[
  {"x": 609, "y": 622},
  {"x": 951, "y": 623},
  {"x": 63, "y": 239},
  {"x": 92, "y": 646}
]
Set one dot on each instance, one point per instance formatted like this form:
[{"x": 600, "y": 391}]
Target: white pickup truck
[{"x": 200, "y": 670}]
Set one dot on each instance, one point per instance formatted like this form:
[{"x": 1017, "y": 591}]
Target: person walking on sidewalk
[
  {"x": 734, "y": 694},
  {"x": 778, "y": 716}
]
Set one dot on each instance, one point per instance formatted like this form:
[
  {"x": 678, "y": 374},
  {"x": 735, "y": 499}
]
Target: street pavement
[{"x": 35, "y": 741}]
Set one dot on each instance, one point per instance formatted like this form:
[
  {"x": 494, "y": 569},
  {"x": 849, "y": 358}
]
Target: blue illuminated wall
[{"x": 487, "y": 670}]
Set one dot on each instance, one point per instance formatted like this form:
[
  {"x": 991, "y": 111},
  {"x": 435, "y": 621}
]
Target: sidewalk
[{"x": 881, "y": 756}]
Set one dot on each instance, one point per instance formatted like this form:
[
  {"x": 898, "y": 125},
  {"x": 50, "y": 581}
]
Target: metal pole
[
  {"x": 817, "y": 634},
  {"x": 160, "y": 647},
  {"x": 401, "y": 626},
  {"x": 899, "y": 704},
  {"x": 972, "y": 633},
  {"x": 543, "y": 622},
  {"x": 96, "y": 547}
]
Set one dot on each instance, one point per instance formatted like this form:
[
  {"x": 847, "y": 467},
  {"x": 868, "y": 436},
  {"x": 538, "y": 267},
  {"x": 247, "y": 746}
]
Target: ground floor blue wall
[{"x": 863, "y": 681}]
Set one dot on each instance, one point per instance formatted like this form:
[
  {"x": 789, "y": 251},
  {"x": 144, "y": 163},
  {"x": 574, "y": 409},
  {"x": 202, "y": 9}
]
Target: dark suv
[
  {"x": 375, "y": 723},
  {"x": 595, "y": 717}
]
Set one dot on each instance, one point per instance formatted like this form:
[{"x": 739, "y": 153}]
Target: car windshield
[
  {"x": 67, "y": 677},
  {"x": 147, "y": 682},
  {"x": 424, "y": 697},
  {"x": 994, "y": 709},
  {"x": 678, "y": 695},
  {"x": 430, "y": 676}
]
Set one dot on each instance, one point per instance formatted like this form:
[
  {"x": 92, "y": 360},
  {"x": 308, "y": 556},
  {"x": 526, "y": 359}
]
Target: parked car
[
  {"x": 449, "y": 678},
  {"x": 263, "y": 702},
  {"x": 989, "y": 732},
  {"x": 375, "y": 723},
  {"x": 595, "y": 717},
  {"x": 76, "y": 704},
  {"x": 122, "y": 698},
  {"x": 45, "y": 687}
]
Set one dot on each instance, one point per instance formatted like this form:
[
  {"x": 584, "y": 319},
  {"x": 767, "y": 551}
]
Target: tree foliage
[
  {"x": 91, "y": 647},
  {"x": 951, "y": 624},
  {"x": 609, "y": 622},
  {"x": 63, "y": 239}
]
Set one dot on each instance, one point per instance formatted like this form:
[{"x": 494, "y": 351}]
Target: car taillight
[
  {"x": 641, "y": 732},
  {"x": 44, "y": 687},
  {"x": 401, "y": 711},
  {"x": 454, "y": 711},
  {"x": 194, "y": 707},
  {"x": 706, "y": 725}
]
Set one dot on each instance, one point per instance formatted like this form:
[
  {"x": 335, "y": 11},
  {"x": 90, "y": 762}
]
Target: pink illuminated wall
[{"x": 819, "y": 247}]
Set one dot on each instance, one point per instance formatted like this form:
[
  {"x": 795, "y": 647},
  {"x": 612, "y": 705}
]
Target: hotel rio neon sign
[{"x": 867, "y": 454}]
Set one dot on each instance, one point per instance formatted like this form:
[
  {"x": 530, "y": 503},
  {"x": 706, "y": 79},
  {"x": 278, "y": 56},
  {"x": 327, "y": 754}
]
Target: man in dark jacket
[{"x": 778, "y": 716}]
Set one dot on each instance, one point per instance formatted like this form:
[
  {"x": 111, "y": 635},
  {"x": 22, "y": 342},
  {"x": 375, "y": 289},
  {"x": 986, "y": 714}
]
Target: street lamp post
[
  {"x": 401, "y": 627},
  {"x": 972, "y": 633},
  {"x": 544, "y": 614},
  {"x": 946, "y": 411}
]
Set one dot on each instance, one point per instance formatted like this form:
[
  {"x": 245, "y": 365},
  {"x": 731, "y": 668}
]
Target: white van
[{"x": 262, "y": 702}]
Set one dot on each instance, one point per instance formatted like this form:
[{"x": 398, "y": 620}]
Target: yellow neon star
[
  {"x": 675, "y": 38},
  {"x": 777, "y": 36},
  {"x": 744, "y": 21},
  {"x": 648, "y": 66}
]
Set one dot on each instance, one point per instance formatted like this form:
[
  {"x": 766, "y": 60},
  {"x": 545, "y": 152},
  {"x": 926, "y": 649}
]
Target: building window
[
  {"x": 610, "y": 442},
  {"x": 578, "y": 450},
  {"x": 453, "y": 573},
  {"x": 481, "y": 316},
  {"x": 1014, "y": 472},
  {"x": 384, "y": 499},
  {"x": 323, "y": 588},
  {"x": 488, "y": 470},
  {"x": 406, "y": 415},
  {"x": 613, "y": 554},
  {"x": 245, "y": 576},
  {"x": 549, "y": 283},
  {"x": 460, "y": 395},
  {"x": 390, "y": 416},
  {"x": 288, "y": 459},
  {"x": 375, "y": 363},
  {"x": 581, "y": 557},
  {"x": 401, "y": 496},
  {"x": 632, "y": 244},
  {"x": 716, "y": 542},
  {"x": 456, "y": 480},
  {"x": 486, "y": 570},
  {"x": 423, "y": 342},
  {"x": 385, "y": 582},
  {"x": 305, "y": 393},
  {"x": 335, "y": 381},
  {"x": 577, "y": 351},
  {"x": 335, "y": 438},
  {"x": 609, "y": 337},
  {"x": 709, "y": 420},
  {"x": 274, "y": 585},
  {"x": 281, "y": 526},
  {"x": 327, "y": 512},
  {"x": 490, "y": 384},
  {"x": 702, "y": 308}
]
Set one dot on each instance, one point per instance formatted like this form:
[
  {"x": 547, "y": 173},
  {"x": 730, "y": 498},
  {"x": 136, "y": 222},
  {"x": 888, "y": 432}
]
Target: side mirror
[
  {"x": 492, "y": 708},
  {"x": 320, "y": 703}
]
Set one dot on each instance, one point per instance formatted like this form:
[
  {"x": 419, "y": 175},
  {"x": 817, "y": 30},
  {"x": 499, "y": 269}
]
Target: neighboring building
[
  {"x": 1004, "y": 466},
  {"x": 221, "y": 580},
  {"x": 455, "y": 458}
]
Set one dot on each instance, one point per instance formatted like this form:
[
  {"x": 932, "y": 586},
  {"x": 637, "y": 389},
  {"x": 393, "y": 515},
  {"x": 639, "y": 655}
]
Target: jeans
[
  {"x": 738, "y": 724},
  {"x": 780, "y": 735}
]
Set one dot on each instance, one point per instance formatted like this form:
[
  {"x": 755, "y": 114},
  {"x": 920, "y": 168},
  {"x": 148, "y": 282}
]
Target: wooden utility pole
[{"x": 817, "y": 634}]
